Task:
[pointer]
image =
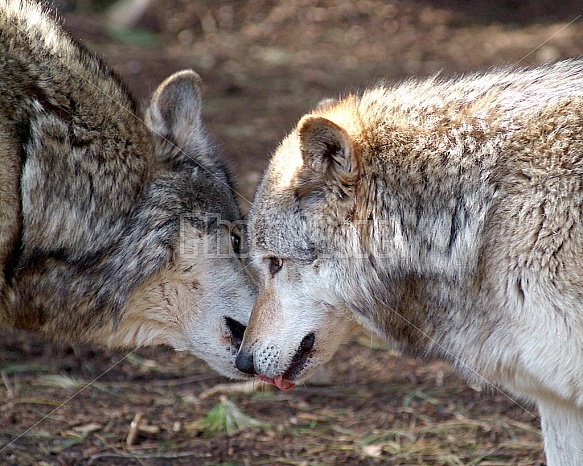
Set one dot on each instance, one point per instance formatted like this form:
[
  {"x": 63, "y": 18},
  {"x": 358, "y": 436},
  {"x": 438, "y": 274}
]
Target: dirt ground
[{"x": 264, "y": 63}]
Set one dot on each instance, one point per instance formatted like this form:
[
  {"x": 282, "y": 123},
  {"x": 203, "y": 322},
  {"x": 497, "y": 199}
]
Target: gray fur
[
  {"x": 94, "y": 198},
  {"x": 444, "y": 215}
]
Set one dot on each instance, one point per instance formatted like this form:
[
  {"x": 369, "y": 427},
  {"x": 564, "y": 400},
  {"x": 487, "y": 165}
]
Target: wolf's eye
[
  {"x": 275, "y": 265},
  {"x": 236, "y": 243}
]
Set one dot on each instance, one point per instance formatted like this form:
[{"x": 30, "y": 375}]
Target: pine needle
[{"x": 224, "y": 417}]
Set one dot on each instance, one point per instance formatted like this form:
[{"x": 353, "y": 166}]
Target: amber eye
[
  {"x": 275, "y": 265},
  {"x": 236, "y": 243}
]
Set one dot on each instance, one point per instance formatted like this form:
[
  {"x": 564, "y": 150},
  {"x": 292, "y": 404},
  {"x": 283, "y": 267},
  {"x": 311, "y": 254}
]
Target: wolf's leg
[{"x": 562, "y": 426}]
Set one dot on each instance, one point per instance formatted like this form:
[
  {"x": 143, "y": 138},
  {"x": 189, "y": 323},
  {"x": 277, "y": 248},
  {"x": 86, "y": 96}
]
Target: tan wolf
[
  {"x": 444, "y": 215},
  {"x": 115, "y": 229}
]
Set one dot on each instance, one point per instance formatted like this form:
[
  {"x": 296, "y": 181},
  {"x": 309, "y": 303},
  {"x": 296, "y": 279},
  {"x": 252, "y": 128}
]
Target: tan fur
[{"x": 446, "y": 216}]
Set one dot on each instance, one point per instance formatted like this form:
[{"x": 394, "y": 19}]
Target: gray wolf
[
  {"x": 445, "y": 215},
  {"x": 115, "y": 226}
]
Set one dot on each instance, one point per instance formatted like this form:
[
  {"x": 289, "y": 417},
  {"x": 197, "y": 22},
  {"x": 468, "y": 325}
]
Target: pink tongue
[{"x": 279, "y": 382}]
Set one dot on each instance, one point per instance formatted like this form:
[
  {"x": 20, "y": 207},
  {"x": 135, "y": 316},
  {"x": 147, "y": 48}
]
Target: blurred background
[{"x": 264, "y": 63}]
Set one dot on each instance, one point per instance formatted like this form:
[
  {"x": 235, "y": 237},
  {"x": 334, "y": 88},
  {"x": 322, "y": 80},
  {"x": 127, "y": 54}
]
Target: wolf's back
[{"x": 74, "y": 158}]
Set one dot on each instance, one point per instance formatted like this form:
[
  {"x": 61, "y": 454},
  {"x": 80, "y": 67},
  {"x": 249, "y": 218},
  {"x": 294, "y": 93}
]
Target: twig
[
  {"x": 134, "y": 429},
  {"x": 9, "y": 390},
  {"x": 246, "y": 387},
  {"x": 184, "y": 454}
]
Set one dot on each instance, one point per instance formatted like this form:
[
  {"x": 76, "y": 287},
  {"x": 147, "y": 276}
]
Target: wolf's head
[
  {"x": 303, "y": 242},
  {"x": 185, "y": 241}
]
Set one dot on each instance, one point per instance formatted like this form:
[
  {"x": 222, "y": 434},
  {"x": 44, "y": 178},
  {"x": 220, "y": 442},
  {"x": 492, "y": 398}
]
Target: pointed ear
[
  {"x": 328, "y": 150},
  {"x": 174, "y": 113}
]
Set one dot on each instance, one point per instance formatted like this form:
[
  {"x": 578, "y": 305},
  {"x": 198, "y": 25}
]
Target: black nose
[
  {"x": 237, "y": 330},
  {"x": 244, "y": 362}
]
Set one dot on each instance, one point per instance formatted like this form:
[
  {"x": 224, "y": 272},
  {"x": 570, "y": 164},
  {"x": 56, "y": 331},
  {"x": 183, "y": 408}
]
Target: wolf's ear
[
  {"x": 174, "y": 113},
  {"x": 328, "y": 150}
]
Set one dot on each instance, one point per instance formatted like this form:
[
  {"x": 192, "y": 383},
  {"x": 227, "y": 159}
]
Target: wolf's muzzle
[{"x": 245, "y": 362}]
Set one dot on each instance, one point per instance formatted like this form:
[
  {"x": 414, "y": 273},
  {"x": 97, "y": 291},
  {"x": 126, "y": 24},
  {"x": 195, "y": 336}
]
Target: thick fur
[
  {"x": 444, "y": 215},
  {"x": 110, "y": 222}
]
